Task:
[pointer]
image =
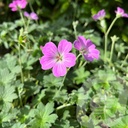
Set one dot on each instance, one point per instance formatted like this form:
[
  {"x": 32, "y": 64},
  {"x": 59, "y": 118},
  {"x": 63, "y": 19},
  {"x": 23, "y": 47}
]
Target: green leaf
[
  {"x": 81, "y": 75},
  {"x": 43, "y": 116},
  {"x": 120, "y": 122},
  {"x": 51, "y": 81},
  {"x": 18, "y": 125},
  {"x": 6, "y": 77},
  {"x": 7, "y": 115},
  {"x": 7, "y": 94}
]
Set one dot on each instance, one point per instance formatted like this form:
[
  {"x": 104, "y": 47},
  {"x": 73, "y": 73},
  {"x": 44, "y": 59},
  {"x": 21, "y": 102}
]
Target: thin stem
[
  {"x": 64, "y": 78},
  {"x": 80, "y": 63},
  {"x": 20, "y": 63},
  {"x": 21, "y": 15},
  {"x": 75, "y": 33},
  {"x": 106, "y": 37},
  {"x": 26, "y": 29},
  {"x": 74, "y": 27},
  {"x": 62, "y": 83},
  {"x": 84, "y": 63},
  {"x": 118, "y": 55},
  {"x": 124, "y": 61},
  {"x": 28, "y": 22},
  {"x": 21, "y": 103},
  {"x": 78, "y": 56},
  {"x": 63, "y": 106},
  {"x": 30, "y": 5},
  {"x": 112, "y": 48}
]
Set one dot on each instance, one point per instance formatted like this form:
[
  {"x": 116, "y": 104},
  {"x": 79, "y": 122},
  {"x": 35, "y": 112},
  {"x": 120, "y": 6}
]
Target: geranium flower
[
  {"x": 57, "y": 58},
  {"x": 32, "y": 15},
  {"x": 121, "y": 13},
  {"x": 100, "y": 15},
  {"x": 87, "y": 48},
  {"x": 16, "y": 4}
]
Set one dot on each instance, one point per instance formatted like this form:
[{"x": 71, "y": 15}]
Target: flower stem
[
  {"x": 21, "y": 15},
  {"x": 61, "y": 84},
  {"x": 118, "y": 55},
  {"x": 84, "y": 64},
  {"x": 20, "y": 63},
  {"x": 63, "y": 106},
  {"x": 19, "y": 96},
  {"x": 75, "y": 23},
  {"x": 112, "y": 48},
  {"x": 28, "y": 22},
  {"x": 78, "y": 56},
  {"x": 124, "y": 61},
  {"x": 106, "y": 37},
  {"x": 31, "y": 7},
  {"x": 64, "y": 78},
  {"x": 81, "y": 62},
  {"x": 63, "y": 81}
]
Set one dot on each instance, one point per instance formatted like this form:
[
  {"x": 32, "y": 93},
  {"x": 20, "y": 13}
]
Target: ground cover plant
[{"x": 63, "y": 64}]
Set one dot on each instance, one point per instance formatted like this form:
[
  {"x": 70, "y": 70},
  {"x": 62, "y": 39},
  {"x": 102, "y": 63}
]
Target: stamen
[
  {"x": 84, "y": 51},
  {"x": 59, "y": 57}
]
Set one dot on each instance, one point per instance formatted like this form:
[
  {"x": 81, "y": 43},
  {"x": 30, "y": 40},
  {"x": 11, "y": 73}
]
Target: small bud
[{"x": 114, "y": 38}]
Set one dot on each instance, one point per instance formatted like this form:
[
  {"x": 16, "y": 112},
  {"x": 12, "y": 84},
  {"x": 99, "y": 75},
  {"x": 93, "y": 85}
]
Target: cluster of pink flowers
[
  {"x": 17, "y": 4},
  {"x": 59, "y": 59},
  {"x": 121, "y": 13},
  {"x": 101, "y": 14},
  {"x": 21, "y": 4},
  {"x": 32, "y": 15}
]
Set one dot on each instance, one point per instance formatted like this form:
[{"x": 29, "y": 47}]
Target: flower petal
[
  {"x": 33, "y": 16},
  {"x": 11, "y": 5},
  {"x": 64, "y": 46},
  {"x": 59, "y": 69},
  {"x": 83, "y": 40},
  {"x": 125, "y": 15},
  {"x": 49, "y": 49},
  {"x": 88, "y": 57},
  {"x": 18, "y": 4},
  {"x": 69, "y": 60},
  {"x": 101, "y": 14},
  {"x": 119, "y": 10},
  {"x": 26, "y": 14},
  {"x": 89, "y": 44},
  {"x": 93, "y": 54},
  {"x": 77, "y": 45},
  {"x": 47, "y": 62},
  {"x": 80, "y": 43},
  {"x": 23, "y": 3}
]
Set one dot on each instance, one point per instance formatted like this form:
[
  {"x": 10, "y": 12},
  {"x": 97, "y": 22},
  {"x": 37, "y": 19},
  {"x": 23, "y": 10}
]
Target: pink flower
[
  {"x": 121, "y": 13},
  {"x": 57, "y": 58},
  {"x": 32, "y": 15},
  {"x": 18, "y": 4},
  {"x": 100, "y": 15},
  {"x": 87, "y": 48}
]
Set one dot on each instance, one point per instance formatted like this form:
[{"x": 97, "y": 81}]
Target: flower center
[
  {"x": 84, "y": 51},
  {"x": 59, "y": 57}
]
